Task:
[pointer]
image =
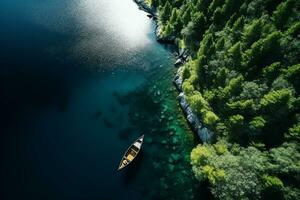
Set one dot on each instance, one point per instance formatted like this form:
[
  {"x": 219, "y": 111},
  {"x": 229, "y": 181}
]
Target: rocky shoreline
[{"x": 204, "y": 134}]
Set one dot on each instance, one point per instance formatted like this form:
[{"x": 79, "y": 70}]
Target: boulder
[
  {"x": 178, "y": 62},
  {"x": 178, "y": 82},
  {"x": 205, "y": 135}
]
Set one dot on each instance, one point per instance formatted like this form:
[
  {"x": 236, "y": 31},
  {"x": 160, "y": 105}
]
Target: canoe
[{"x": 131, "y": 152}]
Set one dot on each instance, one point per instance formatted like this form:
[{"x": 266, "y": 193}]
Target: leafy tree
[
  {"x": 242, "y": 80},
  {"x": 253, "y": 32},
  {"x": 237, "y": 28},
  {"x": 283, "y": 12},
  {"x": 220, "y": 44},
  {"x": 165, "y": 12},
  {"x": 293, "y": 133},
  {"x": 178, "y": 25},
  {"x": 207, "y": 46},
  {"x": 285, "y": 161},
  {"x": 174, "y": 16},
  {"x": 231, "y": 176},
  {"x": 263, "y": 52},
  {"x": 253, "y": 90},
  {"x": 210, "y": 118},
  {"x": 235, "y": 55},
  {"x": 218, "y": 17},
  {"x": 293, "y": 75},
  {"x": 198, "y": 103},
  {"x": 273, "y": 187},
  {"x": 215, "y": 4},
  {"x": 186, "y": 18},
  {"x": 231, "y": 6},
  {"x": 192, "y": 33},
  {"x": 276, "y": 100},
  {"x": 272, "y": 71}
]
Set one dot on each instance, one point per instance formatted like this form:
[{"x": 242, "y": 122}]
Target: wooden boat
[{"x": 131, "y": 152}]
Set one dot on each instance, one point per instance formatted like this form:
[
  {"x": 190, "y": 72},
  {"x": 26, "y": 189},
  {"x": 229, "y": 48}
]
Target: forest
[{"x": 243, "y": 81}]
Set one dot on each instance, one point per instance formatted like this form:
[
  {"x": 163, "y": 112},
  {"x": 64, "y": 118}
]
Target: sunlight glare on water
[
  {"x": 121, "y": 19},
  {"x": 111, "y": 31},
  {"x": 105, "y": 32}
]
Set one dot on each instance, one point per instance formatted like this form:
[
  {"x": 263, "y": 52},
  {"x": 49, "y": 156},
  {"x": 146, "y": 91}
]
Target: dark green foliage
[
  {"x": 215, "y": 4},
  {"x": 253, "y": 32},
  {"x": 243, "y": 81},
  {"x": 283, "y": 12},
  {"x": 165, "y": 12},
  {"x": 192, "y": 33},
  {"x": 218, "y": 17},
  {"x": 186, "y": 18},
  {"x": 262, "y": 53},
  {"x": 273, "y": 187}
]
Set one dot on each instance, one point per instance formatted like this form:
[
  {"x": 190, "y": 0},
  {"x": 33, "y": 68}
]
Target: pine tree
[
  {"x": 252, "y": 32},
  {"x": 173, "y": 16},
  {"x": 166, "y": 12},
  {"x": 282, "y": 13},
  {"x": 186, "y": 18}
]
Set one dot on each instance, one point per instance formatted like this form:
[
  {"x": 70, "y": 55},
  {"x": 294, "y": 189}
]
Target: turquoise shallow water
[{"x": 80, "y": 81}]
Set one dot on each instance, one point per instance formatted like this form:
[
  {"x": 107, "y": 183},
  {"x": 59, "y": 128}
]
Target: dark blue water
[{"x": 64, "y": 66}]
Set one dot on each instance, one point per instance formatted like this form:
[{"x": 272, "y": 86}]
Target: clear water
[{"x": 75, "y": 81}]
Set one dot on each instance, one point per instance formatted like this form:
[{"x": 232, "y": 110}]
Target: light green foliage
[
  {"x": 272, "y": 71},
  {"x": 213, "y": 174},
  {"x": 185, "y": 73},
  {"x": 294, "y": 133},
  {"x": 294, "y": 30},
  {"x": 210, "y": 118},
  {"x": 242, "y": 106},
  {"x": 219, "y": 166},
  {"x": 207, "y": 45},
  {"x": 236, "y": 120},
  {"x": 233, "y": 88},
  {"x": 200, "y": 155},
  {"x": 275, "y": 100},
  {"x": 258, "y": 122},
  {"x": 198, "y": 103},
  {"x": 273, "y": 187},
  {"x": 256, "y": 125},
  {"x": 188, "y": 88},
  {"x": 272, "y": 181}
]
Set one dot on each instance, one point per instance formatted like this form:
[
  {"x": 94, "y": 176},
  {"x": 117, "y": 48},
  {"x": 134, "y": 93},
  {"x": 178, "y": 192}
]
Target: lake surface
[{"x": 80, "y": 81}]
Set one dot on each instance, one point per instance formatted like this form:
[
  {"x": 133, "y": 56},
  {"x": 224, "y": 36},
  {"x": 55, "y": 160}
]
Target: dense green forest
[{"x": 243, "y": 81}]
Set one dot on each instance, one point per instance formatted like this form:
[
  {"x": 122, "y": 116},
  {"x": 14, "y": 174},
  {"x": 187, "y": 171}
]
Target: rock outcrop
[{"x": 204, "y": 134}]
